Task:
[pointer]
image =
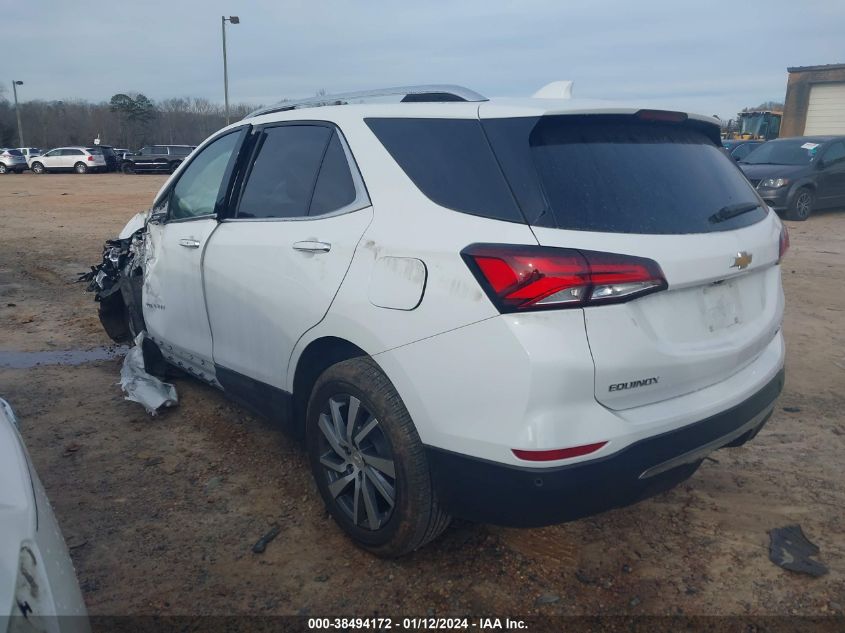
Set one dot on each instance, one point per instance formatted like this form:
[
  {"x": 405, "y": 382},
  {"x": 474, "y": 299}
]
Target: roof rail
[{"x": 428, "y": 93}]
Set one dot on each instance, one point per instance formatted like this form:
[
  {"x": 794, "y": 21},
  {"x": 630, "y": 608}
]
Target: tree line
[{"x": 129, "y": 120}]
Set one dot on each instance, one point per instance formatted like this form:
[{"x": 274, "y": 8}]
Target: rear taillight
[
  {"x": 784, "y": 242},
  {"x": 518, "y": 278},
  {"x": 90, "y": 157}
]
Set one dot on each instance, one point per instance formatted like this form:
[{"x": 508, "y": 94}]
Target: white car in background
[
  {"x": 37, "y": 579},
  {"x": 78, "y": 159},
  {"x": 515, "y": 311}
]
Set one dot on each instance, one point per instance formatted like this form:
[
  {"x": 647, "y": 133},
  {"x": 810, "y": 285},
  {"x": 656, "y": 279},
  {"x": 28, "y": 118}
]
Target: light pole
[
  {"x": 233, "y": 19},
  {"x": 15, "y": 84}
]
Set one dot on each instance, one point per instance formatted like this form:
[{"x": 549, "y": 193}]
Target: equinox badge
[
  {"x": 644, "y": 382},
  {"x": 742, "y": 259}
]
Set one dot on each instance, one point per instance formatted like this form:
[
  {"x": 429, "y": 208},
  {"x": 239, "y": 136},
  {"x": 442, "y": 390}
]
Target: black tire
[
  {"x": 3, "y": 168},
  {"x": 801, "y": 206},
  {"x": 37, "y": 168},
  {"x": 392, "y": 444},
  {"x": 174, "y": 166},
  {"x": 80, "y": 168}
]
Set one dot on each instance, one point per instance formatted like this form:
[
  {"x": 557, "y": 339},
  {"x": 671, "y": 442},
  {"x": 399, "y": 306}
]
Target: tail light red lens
[
  {"x": 519, "y": 278},
  {"x": 90, "y": 157},
  {"x": 557, "y": 453},
  {"x": 784, "y": 242}
]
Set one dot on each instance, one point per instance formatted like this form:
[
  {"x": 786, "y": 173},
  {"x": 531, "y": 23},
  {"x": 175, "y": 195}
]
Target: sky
[{"x": 709, "y": 57}]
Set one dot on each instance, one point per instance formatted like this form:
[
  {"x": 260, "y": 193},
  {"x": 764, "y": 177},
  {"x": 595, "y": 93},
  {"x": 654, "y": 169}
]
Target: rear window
[
  {"x": 14, "y": 152},
  {"x": 619, "y": 175},
  {"x": 450, "y": 161},
  {"x": 611, "y": 174},
  {"x": 94, "y": 150}
]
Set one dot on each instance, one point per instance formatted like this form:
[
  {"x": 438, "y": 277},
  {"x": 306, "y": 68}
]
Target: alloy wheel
[
  {"x": 803, "y": 204},
  {"x": 357, "y": 461}
]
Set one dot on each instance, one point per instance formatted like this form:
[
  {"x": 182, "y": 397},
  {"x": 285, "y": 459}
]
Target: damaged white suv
[{"x": 513, "y": 311}]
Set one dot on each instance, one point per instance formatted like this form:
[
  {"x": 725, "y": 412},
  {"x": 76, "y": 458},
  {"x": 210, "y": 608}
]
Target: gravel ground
[{"x": 160, "y": 513}]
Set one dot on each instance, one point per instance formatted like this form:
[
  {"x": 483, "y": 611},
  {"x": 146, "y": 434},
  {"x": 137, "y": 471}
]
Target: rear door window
[
  {"x": 283, "y": 175},
  {"x": 620, "y": 175}
]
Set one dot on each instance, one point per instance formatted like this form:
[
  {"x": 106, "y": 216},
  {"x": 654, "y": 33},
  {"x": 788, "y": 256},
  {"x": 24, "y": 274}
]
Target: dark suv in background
[
  {"x": 798, "y": 175},
  {"x": 156, "y": 158}
]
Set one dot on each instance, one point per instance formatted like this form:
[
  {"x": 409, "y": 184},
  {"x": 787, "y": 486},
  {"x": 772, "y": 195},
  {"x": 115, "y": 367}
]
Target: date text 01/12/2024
[{"x": 416, "y": 624}]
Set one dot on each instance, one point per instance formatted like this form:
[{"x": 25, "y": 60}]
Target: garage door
[{"x": 826, "y": 111}]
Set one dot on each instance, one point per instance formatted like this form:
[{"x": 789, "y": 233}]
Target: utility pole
[
  {"x": 232, "y": 19},
  {"x": 15, "y": 84}
]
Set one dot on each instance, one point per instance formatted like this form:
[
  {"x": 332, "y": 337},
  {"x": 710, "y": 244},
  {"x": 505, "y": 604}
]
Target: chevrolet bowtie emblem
[{"x": 742, "y": 260}]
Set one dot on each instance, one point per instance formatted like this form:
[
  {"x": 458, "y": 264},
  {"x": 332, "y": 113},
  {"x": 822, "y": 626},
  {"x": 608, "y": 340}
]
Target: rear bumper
[{"x": 490, "y": 492}]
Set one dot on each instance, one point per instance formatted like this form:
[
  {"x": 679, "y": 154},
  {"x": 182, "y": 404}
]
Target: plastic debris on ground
[
  {"x": 142, "y": 387},
  {"x": 791, "y": 549}
]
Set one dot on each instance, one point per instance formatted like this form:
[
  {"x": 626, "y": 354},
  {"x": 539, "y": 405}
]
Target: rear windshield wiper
[{"x": 733, "y": 210}]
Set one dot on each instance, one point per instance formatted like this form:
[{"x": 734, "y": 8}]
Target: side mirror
[{"x": 158, "y": 218}]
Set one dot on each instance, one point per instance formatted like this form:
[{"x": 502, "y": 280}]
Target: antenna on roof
[{"x": 555, "y": 90}]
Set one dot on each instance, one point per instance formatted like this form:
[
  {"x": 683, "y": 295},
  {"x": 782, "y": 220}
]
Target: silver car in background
[{"x": 11, "y": 161}]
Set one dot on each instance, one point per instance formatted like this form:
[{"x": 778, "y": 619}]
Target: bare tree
[{"x": 129, "y": 119}]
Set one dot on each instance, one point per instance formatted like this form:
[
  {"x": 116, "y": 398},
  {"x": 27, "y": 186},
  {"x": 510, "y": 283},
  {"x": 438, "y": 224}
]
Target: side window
[
  {"x": 54, "y": 152},
  {"x": 835, "y": 153},
  {"x": 159, "y": 149},
  {"x": 71, "y": 152},
  {"x": 198, "y": 188},
  {"x": 281, "y": 179},
  {"x": 335, "y": 187},
  {"x": 144, "y": 151},
  {"x": 450, "y": 161}
]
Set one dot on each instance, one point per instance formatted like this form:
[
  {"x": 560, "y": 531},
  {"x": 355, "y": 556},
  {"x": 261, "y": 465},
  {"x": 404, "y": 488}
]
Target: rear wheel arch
[{"x": 317, "y": 357}]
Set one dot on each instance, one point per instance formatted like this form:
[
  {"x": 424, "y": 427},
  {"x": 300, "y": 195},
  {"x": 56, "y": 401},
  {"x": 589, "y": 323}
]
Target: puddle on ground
[{"x": 26, "y": 360}]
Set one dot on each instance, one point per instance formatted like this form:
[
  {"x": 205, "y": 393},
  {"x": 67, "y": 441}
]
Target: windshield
[
  {"x": 751, "y": 124},
  {"x": 784, "y": 152}
]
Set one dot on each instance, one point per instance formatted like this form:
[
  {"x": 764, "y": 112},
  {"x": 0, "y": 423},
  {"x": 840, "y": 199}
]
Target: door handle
[
  {"x": 312, "y": 247},
  {"x": 189, "y": 243}
]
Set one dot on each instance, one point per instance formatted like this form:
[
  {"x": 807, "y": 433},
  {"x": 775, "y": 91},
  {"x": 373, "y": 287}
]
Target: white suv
[
  {"x": 78, "y": 159},
  {"x": 512, "y": 311}
]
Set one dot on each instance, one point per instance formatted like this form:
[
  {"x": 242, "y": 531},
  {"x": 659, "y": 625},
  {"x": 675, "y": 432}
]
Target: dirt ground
[{"x": 160, "y": 513}]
